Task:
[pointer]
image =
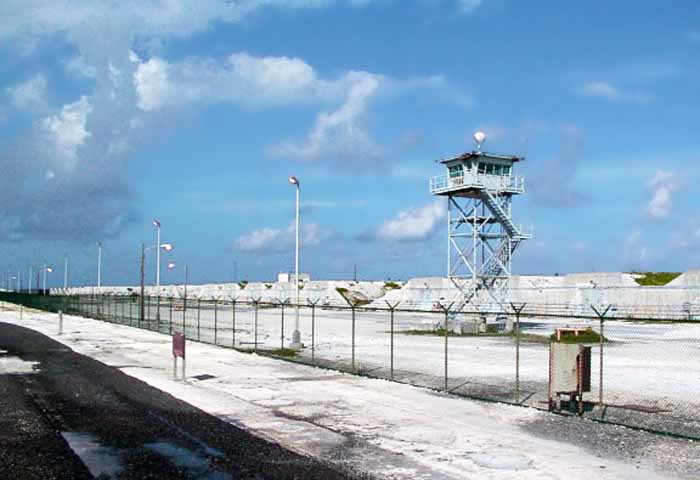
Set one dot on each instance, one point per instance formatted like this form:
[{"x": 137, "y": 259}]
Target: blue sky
[{"x": 196, "y": 113}]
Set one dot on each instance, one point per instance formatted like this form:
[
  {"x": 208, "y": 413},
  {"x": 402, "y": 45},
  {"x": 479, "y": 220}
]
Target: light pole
[
  {"x": 156, "y": 224},
  {"x": 165, "y": 246},
  {"x": 19, "y": 281},
  {"x": 65, "y": 271},
  {"x": 46, "y": 270},
  {"x": 99, "y": 264},
  {"x": 29, "y": 280},
  {"x": 296, "y": 335},
  {"x": 172, "y": 265}
]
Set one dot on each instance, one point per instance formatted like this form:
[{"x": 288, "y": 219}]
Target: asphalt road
[{"x": 121, "y": 425}]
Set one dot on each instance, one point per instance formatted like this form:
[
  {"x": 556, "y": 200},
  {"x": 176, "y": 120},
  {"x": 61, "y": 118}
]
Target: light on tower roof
[{"x": 479, "y": 138}]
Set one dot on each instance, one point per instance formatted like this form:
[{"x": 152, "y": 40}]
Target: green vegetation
[
  {"x": 268, "y": 286},
  {"x": 392, "y": 285},
  {"x": 655, "y": 279},
  {"x": 587, "y": 336},
  {"x": 243, "y": 284},
  {"x": 282, "y": 352}
]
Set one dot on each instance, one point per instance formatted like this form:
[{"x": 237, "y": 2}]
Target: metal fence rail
[{"x": 646, "y": 371}]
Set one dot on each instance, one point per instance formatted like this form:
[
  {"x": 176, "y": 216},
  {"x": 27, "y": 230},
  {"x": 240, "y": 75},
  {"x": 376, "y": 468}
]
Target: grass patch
[
  {"x": 392, "y": 286},
  {"x": 282, "y": 352},
  {"x": 587, "y": 336},
  {"x": 655, "y": 279},
  {"x": 243, "y": 284},
  {"x": 440, "y": 332}
]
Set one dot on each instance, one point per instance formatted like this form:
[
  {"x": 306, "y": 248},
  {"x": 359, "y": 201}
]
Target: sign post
[{"x": 178, "y": 351}]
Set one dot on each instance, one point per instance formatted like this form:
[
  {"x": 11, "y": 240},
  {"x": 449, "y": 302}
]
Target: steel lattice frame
[{"x": 479, "y": 252}]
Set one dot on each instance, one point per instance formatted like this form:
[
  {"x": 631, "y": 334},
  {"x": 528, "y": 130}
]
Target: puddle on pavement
[
  {"x": 501, "y": 460},
  {"x": 16, "y": 366},
  {"x": 195, "y": 462},
  {"x": 100, "y": 460}
]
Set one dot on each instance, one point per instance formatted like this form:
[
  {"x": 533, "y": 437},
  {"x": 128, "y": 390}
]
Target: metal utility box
[{"x": 569, "y": 374}]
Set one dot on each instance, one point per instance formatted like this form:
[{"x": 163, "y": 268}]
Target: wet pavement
[{"x": 64, "y": 415}]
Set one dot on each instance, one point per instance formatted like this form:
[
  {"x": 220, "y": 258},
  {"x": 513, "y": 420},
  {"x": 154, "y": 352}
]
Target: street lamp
[
  {"x": 296, "y": 336},
  {"x": 46, "y": 270},
  {"x": 171, "y": 266}
]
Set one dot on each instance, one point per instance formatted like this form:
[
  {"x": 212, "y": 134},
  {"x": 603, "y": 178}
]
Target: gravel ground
[
  {"x": 149, "y": 433},
  {"x": 678, "y": 457}
]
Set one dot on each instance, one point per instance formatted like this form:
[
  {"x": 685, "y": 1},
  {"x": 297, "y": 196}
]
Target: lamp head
[
  {"x": 294, "y": 180},
  {"x": 171, "y": 265},
  {"x": 156, "y": 223},
  {"x": 167, "y": 246},
  {"x": 479, "y": 138}
]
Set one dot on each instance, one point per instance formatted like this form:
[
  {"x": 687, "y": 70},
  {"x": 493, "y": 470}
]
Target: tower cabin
[{"x": 472, "y": 172}]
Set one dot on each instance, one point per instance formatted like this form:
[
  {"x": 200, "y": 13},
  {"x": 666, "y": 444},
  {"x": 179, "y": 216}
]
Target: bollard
[{"x": 60, "y": 322}]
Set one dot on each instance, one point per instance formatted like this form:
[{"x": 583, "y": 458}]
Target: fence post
[
  {"x": 184, "y": 312},
  {"x": 233, "y": 322},
  {"x": 313, "y": 330},
  {"x": 170, "y": 317},
  {"x": 60, "y": 322},
  {"x": 446, "y": 310},
  {"x": 131, "y": 306},
  {"x": 282, "y": 303},
  {"x": 158, "y": 311},
  {"x": 184, "y": 315},
  {"x": 199, "y": 309},
  {"x": 216, "y": 323},
  {"x": 517, "y": 309},
  {"x": 352, "y": 306},
  {"x": 148, "y": 312},
  {"x": 255, "y": 340},
  {"x": 601, "y": 317},
  {"x": 392, "y": 307}
]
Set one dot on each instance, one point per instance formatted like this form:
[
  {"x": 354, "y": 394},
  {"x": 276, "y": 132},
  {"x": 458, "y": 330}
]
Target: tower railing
[{"x": 496, "y": 183}]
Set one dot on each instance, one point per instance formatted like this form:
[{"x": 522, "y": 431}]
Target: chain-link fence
[{"x": 644, "y": 372}]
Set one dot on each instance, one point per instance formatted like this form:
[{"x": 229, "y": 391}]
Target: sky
[{"x": 113, "y": 114}]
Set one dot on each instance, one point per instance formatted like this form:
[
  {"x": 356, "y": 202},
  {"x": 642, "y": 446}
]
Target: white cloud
[
  {"x": 78, "y": 67},
  {"x": 339, "y": 134},
  {"x": 242, "y": 79},
  {"x": 30, "y": 94},
  {"x": 67, "y": 130},
  {"x": 30, "y": 19},
  {"x": 662, "y": 185},
  {"x": 274, "y": 240},
  {"x": 469, "y": 6},
  {"x": 416, "y": 224},
  {"x": 610, "y": 92}
]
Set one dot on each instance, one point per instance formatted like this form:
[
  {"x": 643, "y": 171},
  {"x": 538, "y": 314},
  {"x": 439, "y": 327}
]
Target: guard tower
[{"x": 481, "y": 234}]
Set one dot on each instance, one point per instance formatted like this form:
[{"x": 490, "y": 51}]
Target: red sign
[{"x": 179, "y": 345}]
